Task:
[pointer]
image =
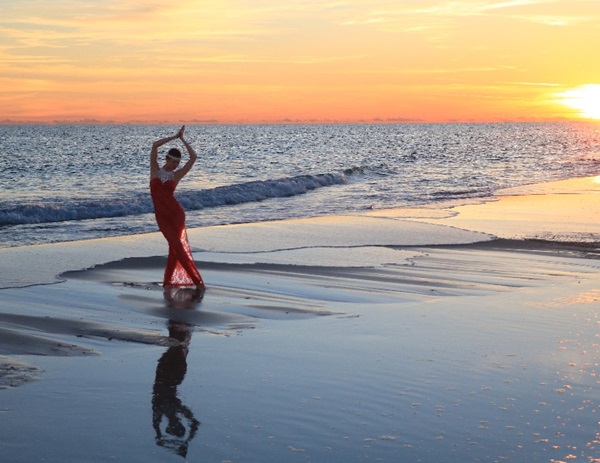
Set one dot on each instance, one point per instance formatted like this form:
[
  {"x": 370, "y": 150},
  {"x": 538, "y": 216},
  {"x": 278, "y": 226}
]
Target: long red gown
[{"x": 170, "y": 216}]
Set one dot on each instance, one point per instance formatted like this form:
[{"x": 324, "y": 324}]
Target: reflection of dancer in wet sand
[
  {"x": 181, "y": 426},
  {"x": 170, "y": 216}
]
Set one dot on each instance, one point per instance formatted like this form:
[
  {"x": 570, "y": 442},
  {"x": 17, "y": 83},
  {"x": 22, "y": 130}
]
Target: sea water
[{"x": 64, "y": 183}]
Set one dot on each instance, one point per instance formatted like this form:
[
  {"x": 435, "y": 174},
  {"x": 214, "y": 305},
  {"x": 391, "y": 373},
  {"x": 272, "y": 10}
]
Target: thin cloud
[
  {"x": 535, "y": 84},
  {"x": 442, "y": 14},
  {"x": 556, "y": 20}
]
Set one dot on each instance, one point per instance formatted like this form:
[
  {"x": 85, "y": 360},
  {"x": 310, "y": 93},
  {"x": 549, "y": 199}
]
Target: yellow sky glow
[{"x": 301, "y": 60}]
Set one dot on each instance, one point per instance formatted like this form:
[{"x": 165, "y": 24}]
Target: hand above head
[{"x": 181, "y": 131}]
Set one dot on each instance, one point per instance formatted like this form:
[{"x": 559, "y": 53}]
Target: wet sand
[{"x": 451, "y": 334}]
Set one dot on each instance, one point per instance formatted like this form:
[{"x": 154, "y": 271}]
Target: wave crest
[{"x": 254, "y": 191}]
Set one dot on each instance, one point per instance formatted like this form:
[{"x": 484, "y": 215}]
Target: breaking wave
[{"x": 90, "y": 208}]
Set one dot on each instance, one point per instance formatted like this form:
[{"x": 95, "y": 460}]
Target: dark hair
[{"x": 174, "y": 153}]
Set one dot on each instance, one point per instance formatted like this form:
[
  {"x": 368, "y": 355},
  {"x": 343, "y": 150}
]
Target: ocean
[{"x": 65, "y": 183}]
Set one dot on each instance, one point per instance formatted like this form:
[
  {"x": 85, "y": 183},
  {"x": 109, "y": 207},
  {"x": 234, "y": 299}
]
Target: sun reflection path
[{"x": 579, "y": 374}]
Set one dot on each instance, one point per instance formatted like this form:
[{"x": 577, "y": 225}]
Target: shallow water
[
  {"x": 445, "y": 359},
  {"x": 374, "y": 382},
  {"x": 92, "y": 181}
]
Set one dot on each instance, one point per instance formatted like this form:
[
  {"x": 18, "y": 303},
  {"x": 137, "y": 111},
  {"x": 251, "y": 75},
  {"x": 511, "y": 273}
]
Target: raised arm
[
  {"x": 154, "y": 167},
  {"x": 180, "y": 173}
]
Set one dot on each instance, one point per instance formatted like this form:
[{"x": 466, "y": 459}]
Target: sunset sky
[{"x": 299, "y": 60}]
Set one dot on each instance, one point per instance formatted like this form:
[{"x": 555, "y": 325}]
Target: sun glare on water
[{"x": 585, "y": 99}]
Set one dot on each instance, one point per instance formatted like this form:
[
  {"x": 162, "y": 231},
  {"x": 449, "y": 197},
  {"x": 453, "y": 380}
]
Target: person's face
[{"x": 171, "y": 164}]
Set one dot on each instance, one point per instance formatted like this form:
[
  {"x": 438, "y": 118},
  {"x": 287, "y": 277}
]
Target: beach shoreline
[{"x": 467, "y": 336}]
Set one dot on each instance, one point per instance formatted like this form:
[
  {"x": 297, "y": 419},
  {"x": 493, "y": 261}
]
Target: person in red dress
[{"x": 170, "y": 216}]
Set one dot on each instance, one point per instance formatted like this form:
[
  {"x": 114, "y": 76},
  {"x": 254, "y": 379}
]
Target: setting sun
[{"x": 585, "y": 99}]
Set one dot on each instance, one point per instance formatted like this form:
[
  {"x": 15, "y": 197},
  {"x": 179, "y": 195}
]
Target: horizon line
[{"x": 208, "y": 122}]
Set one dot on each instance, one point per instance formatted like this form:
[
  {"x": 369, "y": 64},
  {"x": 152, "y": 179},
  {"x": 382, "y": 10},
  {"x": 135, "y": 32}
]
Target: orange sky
[{"x": 298, "y": 60}]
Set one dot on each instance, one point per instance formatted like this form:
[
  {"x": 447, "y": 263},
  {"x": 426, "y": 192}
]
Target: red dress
[{"x": 170, "y": 216}]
